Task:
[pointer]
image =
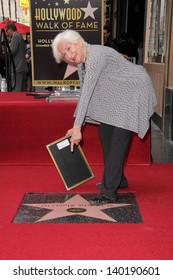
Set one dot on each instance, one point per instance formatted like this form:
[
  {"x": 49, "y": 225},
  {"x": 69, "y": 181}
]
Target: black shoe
[
  {"x": 101, "y": 198},
  {"x": 123, "y": 184}
]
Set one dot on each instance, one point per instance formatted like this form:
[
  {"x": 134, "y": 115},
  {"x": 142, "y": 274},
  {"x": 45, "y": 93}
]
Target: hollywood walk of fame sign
[
  {"x": 48, "y": 18},
  {"x": 76, "y": 208}
]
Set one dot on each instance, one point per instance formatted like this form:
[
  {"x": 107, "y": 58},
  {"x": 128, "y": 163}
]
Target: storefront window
[{"x": 157, "y": 31}]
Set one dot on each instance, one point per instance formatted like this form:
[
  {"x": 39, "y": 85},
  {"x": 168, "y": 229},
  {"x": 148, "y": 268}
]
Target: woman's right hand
[
  {"x": 76, "y": 136},
  {"x": 69, "y": 132}
]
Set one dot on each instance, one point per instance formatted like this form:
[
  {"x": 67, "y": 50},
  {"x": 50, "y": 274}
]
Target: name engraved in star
[
  {"x": 56, "y": 205},
  {"x": 62, "y": 14}
]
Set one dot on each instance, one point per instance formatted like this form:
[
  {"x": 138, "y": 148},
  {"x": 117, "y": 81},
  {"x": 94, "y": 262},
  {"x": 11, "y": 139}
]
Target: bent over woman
[{"x": 116, "y": 94}]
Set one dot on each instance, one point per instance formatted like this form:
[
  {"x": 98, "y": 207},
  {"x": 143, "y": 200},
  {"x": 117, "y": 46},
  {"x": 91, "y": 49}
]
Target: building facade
[
  {"x": 158, "y": 59},
  {"x": 17, "y": 10}
]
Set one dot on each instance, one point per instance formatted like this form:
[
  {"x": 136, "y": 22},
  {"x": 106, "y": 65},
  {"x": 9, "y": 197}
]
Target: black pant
[{"x": 115, "y": 142}]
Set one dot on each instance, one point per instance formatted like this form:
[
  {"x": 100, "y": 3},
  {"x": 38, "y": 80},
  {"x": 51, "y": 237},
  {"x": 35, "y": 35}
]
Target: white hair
[{"x": 67, "y": 35}]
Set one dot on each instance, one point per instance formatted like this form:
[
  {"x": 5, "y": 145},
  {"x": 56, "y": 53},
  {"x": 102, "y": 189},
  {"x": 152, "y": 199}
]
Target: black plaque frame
[{"x": 73, "y": 167}]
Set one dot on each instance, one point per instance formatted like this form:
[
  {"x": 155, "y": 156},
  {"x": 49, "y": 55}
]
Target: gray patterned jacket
[{"x": 114, "y": 91}]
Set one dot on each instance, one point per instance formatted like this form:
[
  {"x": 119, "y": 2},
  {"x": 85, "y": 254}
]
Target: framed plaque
[{"x": 73, "y": 166}]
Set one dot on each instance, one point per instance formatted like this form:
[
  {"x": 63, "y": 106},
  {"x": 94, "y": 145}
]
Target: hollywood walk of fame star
[
  {"x": 89, "y": 11},
  {"x": 76, "y": 205}
]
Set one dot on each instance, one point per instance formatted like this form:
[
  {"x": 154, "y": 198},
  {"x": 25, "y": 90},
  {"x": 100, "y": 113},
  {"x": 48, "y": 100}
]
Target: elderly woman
[{"x": 116, "y": 94}]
